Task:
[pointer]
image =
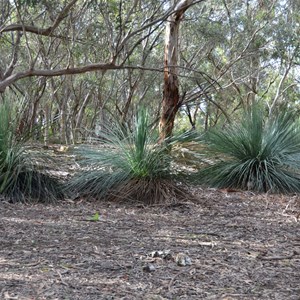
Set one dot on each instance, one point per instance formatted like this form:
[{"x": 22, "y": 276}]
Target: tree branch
[
  {"x": 52, "y": 73},
  {"x": 40, "y": 31}
]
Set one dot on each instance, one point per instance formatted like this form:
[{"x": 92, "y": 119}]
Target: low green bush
[
  {"x": 256, "y": 153},
  {"x": 22, "y": 177},
  {"x": 129, "y": 165}
]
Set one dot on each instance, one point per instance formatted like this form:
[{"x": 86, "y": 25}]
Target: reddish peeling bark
[{"x": 171, "y": 85}]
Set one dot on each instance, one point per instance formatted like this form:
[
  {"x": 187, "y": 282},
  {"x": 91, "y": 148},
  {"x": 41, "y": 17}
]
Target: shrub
[
  {"x": 129, "y": 165},
  {"x": 21, "y": 177},
  {"x": 256, "y": 155}
]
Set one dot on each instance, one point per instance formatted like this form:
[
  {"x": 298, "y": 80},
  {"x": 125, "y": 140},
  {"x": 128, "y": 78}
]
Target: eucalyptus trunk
[{"x": 170, "y": 102}]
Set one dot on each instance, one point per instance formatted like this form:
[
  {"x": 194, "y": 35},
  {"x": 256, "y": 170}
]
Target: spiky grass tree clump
[
  {"x": 257, "y": 154},
  {"x": 20, "y": 178},
  {"x": 128, "y": 166}
]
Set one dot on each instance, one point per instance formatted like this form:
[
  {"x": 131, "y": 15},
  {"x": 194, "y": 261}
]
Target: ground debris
[
  {"x": 236, "y": 245},
  {"x": 183, "y": 260}
]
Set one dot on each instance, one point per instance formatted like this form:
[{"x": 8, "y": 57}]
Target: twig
[
  {"x": 277, "y": 257},
  {"x": 178, "y": 274},
  {"x": 61, "y": 279},
  {"x": 2, "y": 292},
  {"x": 34, "y": 264}
]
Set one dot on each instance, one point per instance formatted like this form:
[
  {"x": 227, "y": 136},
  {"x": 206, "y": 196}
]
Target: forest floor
[{"x": 225, "y": 245}]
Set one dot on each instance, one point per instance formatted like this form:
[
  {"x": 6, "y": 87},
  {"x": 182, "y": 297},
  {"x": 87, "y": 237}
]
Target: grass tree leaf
[
  {"x": 257, "y": 153},
  {"x": 129, "y": 165}
]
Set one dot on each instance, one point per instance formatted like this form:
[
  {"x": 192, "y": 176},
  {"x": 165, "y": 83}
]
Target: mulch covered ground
[{"x": 223, "y": 246}]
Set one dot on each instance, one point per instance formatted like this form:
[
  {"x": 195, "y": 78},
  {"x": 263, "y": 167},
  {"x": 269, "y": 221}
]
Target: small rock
[
  {"x": 183, "y": 260},
  {"x": 165, "y": 254},
  {"x": 149, "y": 268}
]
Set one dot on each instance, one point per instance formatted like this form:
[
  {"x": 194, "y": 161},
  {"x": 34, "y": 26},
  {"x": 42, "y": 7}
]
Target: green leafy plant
[
  {"x": 94, "y": 218},
  {"x": 129, "y": 165},
  {"x": 256, "y": 154},
  {"x": 21, "y": 175}
]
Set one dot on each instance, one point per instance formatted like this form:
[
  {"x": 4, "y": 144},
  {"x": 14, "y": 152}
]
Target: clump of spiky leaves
[
  {"x": 21, "y": 179},
  {"x": 257, "y": 154},
  {"x": 129, "y": 165}
]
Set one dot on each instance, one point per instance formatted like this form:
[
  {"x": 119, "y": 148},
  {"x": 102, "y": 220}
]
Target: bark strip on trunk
[{"x": 171, "y": 86}]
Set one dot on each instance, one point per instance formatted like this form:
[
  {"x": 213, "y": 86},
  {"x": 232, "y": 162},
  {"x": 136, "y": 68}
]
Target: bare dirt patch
[{"x": 235, "y": 246}]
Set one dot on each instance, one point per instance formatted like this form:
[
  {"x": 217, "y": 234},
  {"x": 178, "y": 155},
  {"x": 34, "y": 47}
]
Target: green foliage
[
  {"x": 256, "y": 155},
  {"x": 31, "y": 3},
  {"x": 94, "y": 218},
  {"x": 20, "y": 177},
  {"x": 129, "y": 165}
]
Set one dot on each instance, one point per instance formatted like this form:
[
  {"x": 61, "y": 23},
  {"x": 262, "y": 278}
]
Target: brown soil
[{"x": 236, "y": 246}]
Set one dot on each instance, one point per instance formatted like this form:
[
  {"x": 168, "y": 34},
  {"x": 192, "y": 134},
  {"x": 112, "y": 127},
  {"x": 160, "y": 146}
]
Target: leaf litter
[{"x": 224, "y": 245}]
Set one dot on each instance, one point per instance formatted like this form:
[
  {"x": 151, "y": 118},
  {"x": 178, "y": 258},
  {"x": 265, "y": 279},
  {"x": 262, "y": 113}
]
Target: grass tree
[
  {"x": 22, "y": 177},
  {"x": 256, "y": 153},
  {"x": 129, "y": 166}
]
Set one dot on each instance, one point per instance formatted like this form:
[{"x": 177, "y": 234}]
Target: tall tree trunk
[
  {"x": 63, "y": 122},
  {"x": 46, "y": 124},
  {"x": 170, "y": 100},
  {"x": 80, "y": 116}
]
